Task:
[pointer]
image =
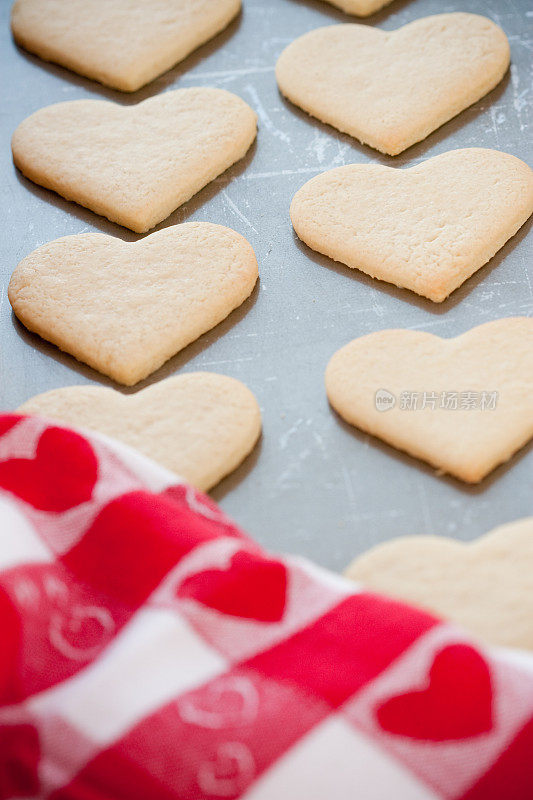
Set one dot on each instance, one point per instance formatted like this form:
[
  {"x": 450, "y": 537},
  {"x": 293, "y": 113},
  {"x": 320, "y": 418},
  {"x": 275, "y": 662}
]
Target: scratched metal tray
[{"x": 313, "y": 485}]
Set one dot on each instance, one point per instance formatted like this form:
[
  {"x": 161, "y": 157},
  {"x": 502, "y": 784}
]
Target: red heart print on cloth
[
  {"x": 202, "y": 505},
  {"x": 80, "y": 635},
  {"x": 229, "y": 772},
  {"x": 7, "y": 422},
  {"x": 456, "y": 703},
  {"x": 48, "y": 481},
  {"x": 252, "y": 587},
  {"x": 231, "y": 701}
]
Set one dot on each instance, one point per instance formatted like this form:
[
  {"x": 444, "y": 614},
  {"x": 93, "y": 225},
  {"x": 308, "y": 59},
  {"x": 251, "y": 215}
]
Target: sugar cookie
[
  {"x": 392, "y": 89},
  {"x": 361, "y": 8},
  {"x": 427, "y": 228},
  {"x": 486, "y": 585},
  {"x": 125, "y": 308},
  {"x": 121, "y": 43},
  {"x": 199, "y": 425},
  {"x": 464, "y": 405},
  {"x": 135, "y": 164}
]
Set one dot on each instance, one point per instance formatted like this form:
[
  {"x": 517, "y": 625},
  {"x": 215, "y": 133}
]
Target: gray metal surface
[{"x": 313, "y": 486}]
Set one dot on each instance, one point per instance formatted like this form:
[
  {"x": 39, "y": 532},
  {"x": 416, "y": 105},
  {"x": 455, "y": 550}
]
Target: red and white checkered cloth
[{"x": 151, "y": 651}]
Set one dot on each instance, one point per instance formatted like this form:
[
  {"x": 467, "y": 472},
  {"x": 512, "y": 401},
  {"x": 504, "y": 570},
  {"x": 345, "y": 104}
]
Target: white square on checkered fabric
[
  {"x": 336, "y": 761},
  {"x": 19, "y": 542},
  {"x": 154, "y": 658},
  {"x": 523, "y": 659}
]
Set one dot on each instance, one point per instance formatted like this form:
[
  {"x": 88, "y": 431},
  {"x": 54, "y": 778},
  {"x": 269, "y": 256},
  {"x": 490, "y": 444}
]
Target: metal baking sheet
[{"x": 313, "y": 486}]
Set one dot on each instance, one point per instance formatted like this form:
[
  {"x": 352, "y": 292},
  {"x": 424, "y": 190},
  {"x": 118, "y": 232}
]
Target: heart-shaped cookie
[
  {"x": 122, "y": 43},
  {"x": 125, "y": 308},
  {"x": 135, "y": 164},
  {"x": 464, "y": 405},
  {"x": 361, "y": 8},
  {"x": 392, "y": 89},
  {"x": 199, "y": 425},
  {"x": 427, "y": 228},
  {"x": 486, "y": 585}
]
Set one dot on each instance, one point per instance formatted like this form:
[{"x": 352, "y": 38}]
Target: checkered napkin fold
[{"x": 150, "y": 650}]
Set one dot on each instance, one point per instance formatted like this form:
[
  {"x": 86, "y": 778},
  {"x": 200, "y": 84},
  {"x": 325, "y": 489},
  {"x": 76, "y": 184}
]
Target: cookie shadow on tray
[
  {"x": 180, "y": 214},
  {"x": 169, "y": 79},
  {"x": 407, "y": 461},
  {"x": 174, "y": 365},
  {"x": 420, "y": 150},
  {"x": 406, "y": 295},
  {"x": 231, "y": 481}
]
